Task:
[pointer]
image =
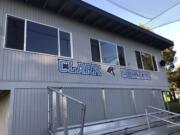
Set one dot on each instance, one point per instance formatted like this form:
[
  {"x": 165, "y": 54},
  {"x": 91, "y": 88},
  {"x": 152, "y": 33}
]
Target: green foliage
[
  {"x": 169, "y": 56},
  {"x": 174, "y": 79},
  {"x": 172, "y": 72}
]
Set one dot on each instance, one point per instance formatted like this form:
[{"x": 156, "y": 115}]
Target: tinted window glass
[
  {"x": 121, "y": 56},
  {"x": 147, "y": 61},
  {"x": 108, "y": 52},
  {"x": 65, "y": 44},
  {"x": 95, "y": 50},
  {"x": 154, "y": 63},
  {"x": 15, "y": 33},
  {"x": 41, "y": 39},
  {"x": 138, "y": 58}
]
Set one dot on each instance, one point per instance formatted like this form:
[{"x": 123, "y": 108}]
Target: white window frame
[
  {"x": 151, "y": 61},
  {"x": 100, "y": 52},
  {"x": 59, "y": 44},
  {"x": 156, "y": 63},
  {"x": 113, "y": 44},
  {"x": 5, "y": 32},
  {"x": 25, "y": 37}
]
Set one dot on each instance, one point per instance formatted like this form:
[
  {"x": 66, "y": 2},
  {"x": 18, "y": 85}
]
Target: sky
[{"x": 171, "y": 31}]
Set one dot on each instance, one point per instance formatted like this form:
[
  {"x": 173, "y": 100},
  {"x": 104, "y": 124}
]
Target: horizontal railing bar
[
  {"x": 170, "y": 117},
  {"x": 71, "y": 98},
  {"x": 107, "y": 121},
  {"x": 164, "y": 120},
  {"x": 164, "y": 110}
]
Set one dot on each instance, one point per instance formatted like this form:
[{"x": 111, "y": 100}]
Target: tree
[
  {"x": 172, "y": 72},
  {"x": 169, "y": 56},
  {"x": 174, "y": 79}
]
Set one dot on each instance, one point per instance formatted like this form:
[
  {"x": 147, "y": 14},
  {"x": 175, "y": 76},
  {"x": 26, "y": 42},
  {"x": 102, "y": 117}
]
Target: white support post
[
  {"x": 54, "y": 113},
  {"x": 104, "y": 103},
  {"x": 65, "y": 115},
  {"x": 147, "y": 119},
  {"x": 83, "y": 111}
]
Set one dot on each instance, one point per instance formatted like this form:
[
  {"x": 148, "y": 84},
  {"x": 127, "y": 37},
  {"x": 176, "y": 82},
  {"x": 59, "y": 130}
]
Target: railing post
[
  {"x": 104, "y": 103},
  {"x": 83, "y": 112},
  {"x": 61, "y": 108},
  {"x": 65, "y": 113},
  {"x": 54, "y": 113},
  {"x": 147, "y": 119},
  {"x": 50, "y": 110}
]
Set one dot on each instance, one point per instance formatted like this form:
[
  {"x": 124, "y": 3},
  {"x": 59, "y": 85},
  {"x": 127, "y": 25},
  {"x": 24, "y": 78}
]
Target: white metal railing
[
  {"x": 58, "y": 107},
  {"x": 164, "y": 119}
]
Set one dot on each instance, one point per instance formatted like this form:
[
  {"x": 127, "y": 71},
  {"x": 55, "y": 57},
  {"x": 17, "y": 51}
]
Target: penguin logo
[{"x": 111, "y": 70}]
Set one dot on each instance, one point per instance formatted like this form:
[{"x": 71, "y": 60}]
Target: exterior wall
[
  {"x": 29, "y": 67},
  {"x": 4, "y": 114}
]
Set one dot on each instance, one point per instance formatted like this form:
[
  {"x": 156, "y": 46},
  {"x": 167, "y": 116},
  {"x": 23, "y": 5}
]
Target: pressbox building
[{"x": 61, "y": 59}]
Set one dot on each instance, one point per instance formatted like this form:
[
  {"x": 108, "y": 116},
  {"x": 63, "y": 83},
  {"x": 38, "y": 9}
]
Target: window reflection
[
  {"x": 95, "y": 50},
  {"x": 41, "y": 38},
  {"x": 147, "y": 61},
  {"x": 15, "y": 33},
  {"x": 65, "y": 44},
  {"x": 109, "y": 53}
]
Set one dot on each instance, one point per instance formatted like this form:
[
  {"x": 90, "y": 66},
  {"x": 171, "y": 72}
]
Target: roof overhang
[{"x": 85, "y": 13}]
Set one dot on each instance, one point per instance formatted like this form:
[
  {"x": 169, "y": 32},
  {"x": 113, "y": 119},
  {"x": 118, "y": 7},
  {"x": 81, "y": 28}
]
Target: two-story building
[{"x": 111, "y": 65}]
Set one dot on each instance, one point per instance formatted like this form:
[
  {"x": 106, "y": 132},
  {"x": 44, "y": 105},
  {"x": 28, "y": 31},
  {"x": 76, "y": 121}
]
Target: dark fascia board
[{"x": 124, "y": 22}]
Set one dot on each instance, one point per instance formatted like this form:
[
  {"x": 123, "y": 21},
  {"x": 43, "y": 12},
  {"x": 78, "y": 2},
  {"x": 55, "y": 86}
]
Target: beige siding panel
[
  {"x": 30, "y": 113},
  {"x": 94, "y": 104},
  {"x": 119, "y": 103}
]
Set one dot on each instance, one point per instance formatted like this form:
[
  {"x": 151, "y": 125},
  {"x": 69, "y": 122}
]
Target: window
[
  {"x": 154, "y": 63},
  {"x": 65, "y": 44},
  {"x": 15, "y": 33},
  {"x": 121, "y": 56},
  {"x": 109, "y": 53},
  {"x": 138, "y": 59},
  {"x": 146, "y": 61},
  {"x": 95, "y": 50},
  {"x": 39, "y": 38},
  {"x": 106, "y": 52},
  {"x": 42, "y": 39}
]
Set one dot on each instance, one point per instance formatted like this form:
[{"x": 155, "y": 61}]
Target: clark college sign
[{"x": 66, "y": 66}]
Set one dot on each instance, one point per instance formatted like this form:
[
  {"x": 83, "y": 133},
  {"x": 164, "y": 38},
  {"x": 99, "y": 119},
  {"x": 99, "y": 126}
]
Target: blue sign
[
  {"x": 135, "y": 74},
  {"x": 66, "y": 66}
]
